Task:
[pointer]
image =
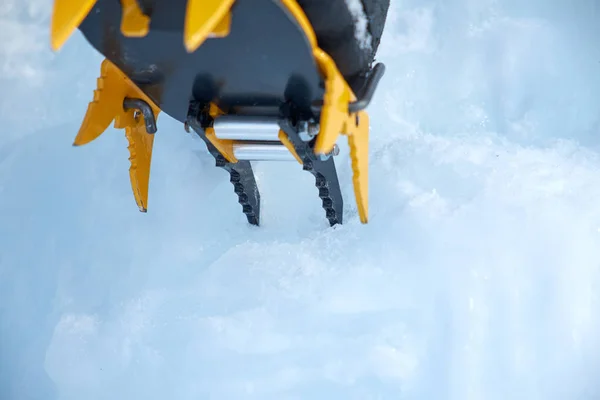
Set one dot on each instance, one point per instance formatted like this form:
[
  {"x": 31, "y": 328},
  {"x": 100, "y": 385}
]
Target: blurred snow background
[{"x": 477, "y": 277}]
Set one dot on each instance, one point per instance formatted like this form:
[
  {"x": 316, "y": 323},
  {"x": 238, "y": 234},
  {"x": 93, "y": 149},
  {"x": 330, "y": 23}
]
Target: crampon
[{"x": 257, "y": 80}]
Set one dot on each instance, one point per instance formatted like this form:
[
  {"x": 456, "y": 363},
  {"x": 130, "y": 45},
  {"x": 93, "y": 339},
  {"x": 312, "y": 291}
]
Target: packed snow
[
  {"x": 361, "y": 23},
  {"x": 476, "y": 278}
]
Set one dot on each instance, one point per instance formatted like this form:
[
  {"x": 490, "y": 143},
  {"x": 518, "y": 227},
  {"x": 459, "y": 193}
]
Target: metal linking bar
[
  {"x": 237, "y": 127},
  {"x": 262, "y": 152}
]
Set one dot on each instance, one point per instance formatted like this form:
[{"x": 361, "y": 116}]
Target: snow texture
[
  {"x": 477, "y": 277},
  {"x": 361, "y": 23}
]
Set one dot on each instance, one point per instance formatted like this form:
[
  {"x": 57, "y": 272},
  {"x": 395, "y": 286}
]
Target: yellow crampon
[
  {"x": 207, "y": 19},
  {"x": 336, "y": 118},
  {"x": 111, "y": 97}
]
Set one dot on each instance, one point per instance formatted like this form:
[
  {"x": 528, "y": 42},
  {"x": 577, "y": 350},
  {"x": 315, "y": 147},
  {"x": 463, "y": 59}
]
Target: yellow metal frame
[
  {"x": 285, "y": 140},
  {"x": 224, "y": 146},
  {"x": 204, "y": 19}
]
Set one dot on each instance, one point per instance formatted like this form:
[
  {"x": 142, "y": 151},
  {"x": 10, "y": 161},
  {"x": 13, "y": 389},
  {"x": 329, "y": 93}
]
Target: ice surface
[{"x": 477, "y": 277}]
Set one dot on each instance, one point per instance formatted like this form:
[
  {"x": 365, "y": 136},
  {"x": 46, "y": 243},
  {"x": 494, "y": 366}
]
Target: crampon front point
[{"x": 249, "y": 77}]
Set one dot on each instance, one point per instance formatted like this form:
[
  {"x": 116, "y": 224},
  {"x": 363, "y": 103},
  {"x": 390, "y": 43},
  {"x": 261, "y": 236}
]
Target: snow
[
  {"x": 361, "y": 23},
  {"x": 477, "y": 277}
]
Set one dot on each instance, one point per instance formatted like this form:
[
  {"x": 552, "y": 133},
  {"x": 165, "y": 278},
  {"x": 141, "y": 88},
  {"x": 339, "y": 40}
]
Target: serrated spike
[
  {"x": 240, "y": 172},
  {"x": 140, "y": 157},
  {"x": 324, "y": 172},
  {"x": 106, "y": 104},
  {"x": 358, "y": 140}
]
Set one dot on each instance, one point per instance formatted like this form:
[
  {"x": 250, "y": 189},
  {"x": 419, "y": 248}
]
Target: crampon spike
[
  {"x": 118, "y": 99},
  {"x": 241, "y": 175},
  {"x": 336, "y": 117}
]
